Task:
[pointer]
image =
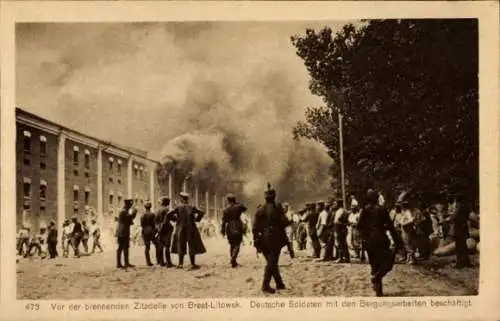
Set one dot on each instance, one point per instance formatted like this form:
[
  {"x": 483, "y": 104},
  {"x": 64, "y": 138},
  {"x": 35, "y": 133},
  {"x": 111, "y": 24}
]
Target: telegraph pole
[{"x": 341, "y": 143}]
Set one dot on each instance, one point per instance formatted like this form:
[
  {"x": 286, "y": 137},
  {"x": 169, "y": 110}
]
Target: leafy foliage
[{"x": 408, "y": 90}]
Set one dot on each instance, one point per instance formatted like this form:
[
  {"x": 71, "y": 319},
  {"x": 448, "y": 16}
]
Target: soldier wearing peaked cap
[
  {"x": 232, "y": 226},
  {"x": 125, "y": 220},
  {"x": 186, "y": 232},
  {"x": 148, "y": 229},
  {"x": 373, "y": 224},
  {"x": 270, "y": 237},
  {"x": 164, "y": 230}
]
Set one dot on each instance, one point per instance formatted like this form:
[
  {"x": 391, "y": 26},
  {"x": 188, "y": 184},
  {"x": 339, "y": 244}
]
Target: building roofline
[{"x": 132, "y": 151}]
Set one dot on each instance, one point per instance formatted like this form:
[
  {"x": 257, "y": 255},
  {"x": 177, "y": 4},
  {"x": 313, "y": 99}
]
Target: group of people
[
  {"x": 44, "y": 243},
  {"x": 158, "y": 229},
  {"x": 370, "y": 229}
]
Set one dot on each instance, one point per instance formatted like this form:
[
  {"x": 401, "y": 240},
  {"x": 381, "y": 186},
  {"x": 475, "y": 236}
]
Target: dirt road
[{"x": 96, "y": 277}]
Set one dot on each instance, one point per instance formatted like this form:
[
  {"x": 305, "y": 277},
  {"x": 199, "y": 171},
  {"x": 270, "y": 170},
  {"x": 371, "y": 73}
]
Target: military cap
[
  {"x": 128, "y": 201},
  {"x": 164, "y": 200},
  {"x": 148, "y": 204},
  {"x": 321, "y": 203},
  {"x": 184, "y": 195},
  {"x": 52, "y": 222},
  {"x": 231, "y": 196},
  {"x": 67, "y": 221}
]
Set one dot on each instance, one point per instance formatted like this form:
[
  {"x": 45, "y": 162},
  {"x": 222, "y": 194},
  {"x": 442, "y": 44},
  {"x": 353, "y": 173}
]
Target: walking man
[
  {"x": 374, "y": 222},
  {"x": 186, "y": 232},
  {"x": 96, "y": 234},
  {"x": 232, "y": 227},
  {"x": 125, "y": 220},
  {"x": 270, "y": 237},
  {"x": 148, "y": 227}
]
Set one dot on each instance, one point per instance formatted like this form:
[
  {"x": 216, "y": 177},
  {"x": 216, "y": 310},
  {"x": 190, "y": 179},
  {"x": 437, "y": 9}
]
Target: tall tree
[{"x": 408, "y": 90}]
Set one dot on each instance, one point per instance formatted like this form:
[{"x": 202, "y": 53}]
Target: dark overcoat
[
  {"x": 125, "y": 220},
  {"x": 269, "y": 228},
  {"x": 232, "y": 225},
  {"x": 186, "y": 232},
  {"x": 163, "y": 226},
  {"x": 148, "y": 226}
]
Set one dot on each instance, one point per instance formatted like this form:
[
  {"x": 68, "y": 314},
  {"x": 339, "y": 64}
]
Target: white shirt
[
  {"x": 338, "y": 216},
  {"x": 322, "y": 218}
]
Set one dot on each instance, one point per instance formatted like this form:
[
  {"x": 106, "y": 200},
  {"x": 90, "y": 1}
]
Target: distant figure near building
[
  {"x": 164, "y": 231},
  {"x": 148, "y": 229},
  {"x": 232, "y": 227},
  {"x": 52, "y": 240},
  {"x": 96, "y": 234},
  {"x": 270, "y": 237},
  {"x": 186, "y": 232},
  {"x": 125, "y": 220},
  {"x": 374, "y": 222}
]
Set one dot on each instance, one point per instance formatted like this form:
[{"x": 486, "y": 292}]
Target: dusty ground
[{"x": 96, "y": 277}]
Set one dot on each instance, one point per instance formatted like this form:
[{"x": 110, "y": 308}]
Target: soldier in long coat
[
  {"x": 186, "y": 232},
  {"x": 232, "y": 227},
  {"x": 374, "y": 222},
  {"x": 148, "y": 229},
  {"x": 270, "y": 237},
  {"x": 164, "y": 237},
  {"x": 125, "y": 220}
]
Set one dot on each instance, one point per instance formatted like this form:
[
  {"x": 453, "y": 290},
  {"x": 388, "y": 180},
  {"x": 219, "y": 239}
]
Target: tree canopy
[{"x": 408, "y": 91}]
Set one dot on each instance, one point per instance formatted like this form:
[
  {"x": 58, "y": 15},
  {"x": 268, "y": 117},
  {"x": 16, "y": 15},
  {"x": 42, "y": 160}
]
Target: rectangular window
[
  {"x": 136, "y": 171},
  {"x": 42, "y": 211},
  {"x": 43, "y": 190},
  {"x": 119, "y": 181},
  {"x": 75, "y": 210},
  {"x": 27, "y": 141},
  {"x": 27, "y": 162},
  {"x": 111, "y": 199},
  {"x": 119, "y": 167},
  {"x": 75, "y": 156},
  {"x": 87, "y": 159},
  {"x": 87, "y": 197},
  {"x": 75, "y": 195},
  {"x": 43, "y": 145},
  {"x": 119, "y": 200},
  {"x": 111, "y": 179},
  {"x": 87, "y": 174},
  {"x": 27, "y": 188},
  {"x": 75, "y": 172},
  {"x": 43, "y": 165},
  {"x": 110, "y": 162}
]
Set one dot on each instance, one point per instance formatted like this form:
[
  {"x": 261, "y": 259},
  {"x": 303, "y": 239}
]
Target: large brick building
[{"x": 62, "y": 172}]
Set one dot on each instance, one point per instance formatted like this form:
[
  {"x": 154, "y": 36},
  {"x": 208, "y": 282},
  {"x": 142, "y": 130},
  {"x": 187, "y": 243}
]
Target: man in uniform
[
  {"x": 458, "y": 216},
  {"x": 125, "y": 220},
  {"x": 270, "y": 237},
  {"x": 374, "y": 222},
  {"x": 164, "y": 234},
  {"x": 77, "y": 235},
  {"x": 340, "y": 226},
  {"x": 232, "y": 226},
  {"x": 312, "y": 219},
  {"x": 186, "y": 232},
  {"x": 148, "y": 231}
]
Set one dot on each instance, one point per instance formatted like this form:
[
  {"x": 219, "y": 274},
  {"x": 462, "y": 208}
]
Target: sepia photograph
[{"x": 195, "y": 159}]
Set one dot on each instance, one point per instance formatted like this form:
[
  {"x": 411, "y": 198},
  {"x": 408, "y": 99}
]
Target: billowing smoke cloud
[{"x": 217, "y": 99}]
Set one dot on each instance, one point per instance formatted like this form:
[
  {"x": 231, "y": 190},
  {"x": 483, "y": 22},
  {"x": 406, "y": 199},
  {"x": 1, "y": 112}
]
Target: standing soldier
[
  {"x": 232, "y": 226},
  {"x": 270, "y": 237},
  {"x": 458, "y": 216},
  {"x": 289, "y": 231},
  {"x": 186, "y": 232},
  {"x": 311, "y": 218},
  {"x": 125, "y": 220},
  {"x": 374, "y": 222},
  {"x": 77, "y": 236},
  {"x": 321, "y": 227},
  {"x": 340, "y": 226},
  {"x": 85, "y": 236},
  {"x": 52, "y": 239},
  {"x": 164, "y": 234},
  {"x": 148, "y": 231}
]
